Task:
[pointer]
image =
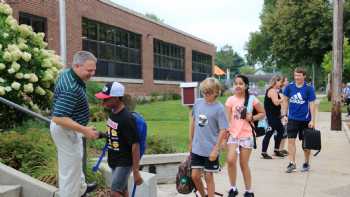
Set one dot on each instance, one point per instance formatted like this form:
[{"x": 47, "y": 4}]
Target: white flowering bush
[{"x": 27, "y": 69}]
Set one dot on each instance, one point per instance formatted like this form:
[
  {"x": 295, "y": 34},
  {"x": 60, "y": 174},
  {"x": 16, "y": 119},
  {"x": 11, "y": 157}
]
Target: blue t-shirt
[{"x": 299, "y": 99}]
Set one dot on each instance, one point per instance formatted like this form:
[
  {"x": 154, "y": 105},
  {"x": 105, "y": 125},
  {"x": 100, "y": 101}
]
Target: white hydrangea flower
[
  {"x": 11, "y": 71},
  {"x": 15, "y": 66},
  {"x": 11, "y": 21},
  {"x": 36, "y": 50},
  {"x": 16, "y": 85},
  {"x": 19, "y": 75},
  {"x": 5, "y": 35},
  {"x": 46, "y": 63},
  {"x": 33, "y": 78},
  {"x": 25, "y": 30},
  {"x": 8, "y": 89},
  {"x": 26, "y": 56},
  {"x": 0, "y": 46},
  {"x": 16, "y": 55},
  {"x": 2, "y": 66},
  {"x": 48, "y": 76},
  {"x": 2, "y": 80},
  {"x": 28, "y": 88},
  {"x": 2, "y": 91},
  {"x": 22, "y": 46},
  {"x": 39, "y": 90},
  {"x": 35, "y": 108},
  {"x": 7, "y": 56},
  {"x": 26, "y": 76},
  {"x": 5, "y": 9}
]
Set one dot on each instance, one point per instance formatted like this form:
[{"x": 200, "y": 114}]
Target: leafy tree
[
  {"x": 293, "y": 33},
  {"x": 246, "y": 70},
  {"x": 228, "y": 59},
  {"x": 327, "y": 63},
  {"x": 154, "y": 17}
]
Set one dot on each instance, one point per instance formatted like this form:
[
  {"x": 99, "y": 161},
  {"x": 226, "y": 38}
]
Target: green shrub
[
  {"x": 158, "y": 145},
  {"x": 97, "y": 113},
  {"x": 31, "y": 152},
  {"x": 93, "y": 87}
]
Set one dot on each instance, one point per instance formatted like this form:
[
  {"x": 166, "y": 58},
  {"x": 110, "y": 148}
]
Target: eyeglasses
[{"x": 208, "y": 92}]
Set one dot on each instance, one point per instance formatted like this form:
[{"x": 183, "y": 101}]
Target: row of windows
[
  {"x": 169, "y": 61},
  {"x": 93, "y": 30},
  {"x": 119, "y": 52}
]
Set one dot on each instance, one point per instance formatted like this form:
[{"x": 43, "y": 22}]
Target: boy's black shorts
[
  {"x": 200, "y": 162},
  {"x": 295, "y": 128}
]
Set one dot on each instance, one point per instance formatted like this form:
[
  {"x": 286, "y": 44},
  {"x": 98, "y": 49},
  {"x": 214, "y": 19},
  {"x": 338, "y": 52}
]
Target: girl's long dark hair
[{"x": 246, "y": 82}]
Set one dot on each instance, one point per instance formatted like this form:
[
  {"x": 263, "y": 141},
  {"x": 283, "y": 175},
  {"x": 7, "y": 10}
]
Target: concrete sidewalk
[{"x": 329, "y": 175}]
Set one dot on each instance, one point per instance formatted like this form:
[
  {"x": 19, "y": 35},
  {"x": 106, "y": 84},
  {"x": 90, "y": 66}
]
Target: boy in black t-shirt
[{"x": 123, "y": 142}]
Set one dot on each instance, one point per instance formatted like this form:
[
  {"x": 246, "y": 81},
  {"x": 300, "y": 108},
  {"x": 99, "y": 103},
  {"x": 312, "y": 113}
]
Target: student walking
[
  {"x": 123, "y": 141},
  {"x": 241, "y": 141},
  {"x": 207, "y": 129},
  {"x": 272, "y": 104},
  {"x": 299, "y": 102}
]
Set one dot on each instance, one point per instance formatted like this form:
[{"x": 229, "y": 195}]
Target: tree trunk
[{"x": 337, "y": 63}]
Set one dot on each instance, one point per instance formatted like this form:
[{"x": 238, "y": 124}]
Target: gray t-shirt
[{"x": 209, "y": 119}]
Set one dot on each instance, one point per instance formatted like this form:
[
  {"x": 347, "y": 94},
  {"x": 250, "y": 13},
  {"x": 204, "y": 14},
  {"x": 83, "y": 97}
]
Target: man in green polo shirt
[{"x": 70, "y": 116}]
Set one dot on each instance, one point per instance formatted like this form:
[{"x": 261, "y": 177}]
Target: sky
[{"x": 219, "y": 22}]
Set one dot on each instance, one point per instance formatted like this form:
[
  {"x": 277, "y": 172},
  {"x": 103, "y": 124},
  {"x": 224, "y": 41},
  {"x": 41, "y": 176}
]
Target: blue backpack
[{"x": 141, "y": 131}]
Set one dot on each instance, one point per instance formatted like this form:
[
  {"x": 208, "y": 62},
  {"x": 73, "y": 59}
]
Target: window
[
  {"x": 118, "y": 51},
  {"x": 168, "y": 65},
  {"x": 38, "y": 23},
  {"x": 201, "y": 66}
]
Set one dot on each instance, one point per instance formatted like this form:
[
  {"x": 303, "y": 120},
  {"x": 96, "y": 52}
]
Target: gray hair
[{"x": 81, "y": 57}]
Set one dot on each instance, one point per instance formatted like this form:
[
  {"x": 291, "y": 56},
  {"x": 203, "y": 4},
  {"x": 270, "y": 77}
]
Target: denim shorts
[{"x": 120, "y": 177}]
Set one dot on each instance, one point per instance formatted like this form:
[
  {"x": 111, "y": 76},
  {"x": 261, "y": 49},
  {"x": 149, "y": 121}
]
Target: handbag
[
  {"x": 259, "y": 126},
  {"x": 312, "y": 140}
]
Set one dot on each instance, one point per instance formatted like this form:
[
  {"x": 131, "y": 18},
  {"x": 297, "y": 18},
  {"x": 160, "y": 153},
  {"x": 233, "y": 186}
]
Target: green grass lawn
[{"x": 326, "y": 106}]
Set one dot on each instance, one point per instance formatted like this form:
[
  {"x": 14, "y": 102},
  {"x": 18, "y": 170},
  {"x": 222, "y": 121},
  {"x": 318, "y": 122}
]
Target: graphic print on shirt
[
  {"x": 202, "y": 120},
  {"x": 112, "y": 132},
  {"x": 297, "y": 99},
  {"x": 238, "y": 111}
]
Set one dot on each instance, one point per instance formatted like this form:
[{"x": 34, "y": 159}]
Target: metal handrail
[{"x": 25, "y": 110}]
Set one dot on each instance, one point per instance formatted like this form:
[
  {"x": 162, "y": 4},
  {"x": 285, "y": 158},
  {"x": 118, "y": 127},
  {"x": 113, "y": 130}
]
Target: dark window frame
[
  {"x": 201, "y": 66},
  {"x": 167, "y": 65},
  {"x": 32, "y": 19},
  {"x": 125, "y": 60}
]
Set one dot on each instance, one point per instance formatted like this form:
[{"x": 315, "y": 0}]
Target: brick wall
[{"x": 103, "y": 12}]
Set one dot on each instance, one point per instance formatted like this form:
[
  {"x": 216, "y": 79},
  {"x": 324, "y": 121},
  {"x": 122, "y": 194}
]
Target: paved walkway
[{"x": 329, "y": 175}]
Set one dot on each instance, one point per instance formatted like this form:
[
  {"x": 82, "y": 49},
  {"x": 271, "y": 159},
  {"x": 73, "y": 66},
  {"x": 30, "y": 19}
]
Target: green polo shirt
[{"x": 70, "y": 98}]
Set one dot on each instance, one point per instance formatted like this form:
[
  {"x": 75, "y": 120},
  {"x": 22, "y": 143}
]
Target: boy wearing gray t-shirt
[{"x": 207, "y": 131}]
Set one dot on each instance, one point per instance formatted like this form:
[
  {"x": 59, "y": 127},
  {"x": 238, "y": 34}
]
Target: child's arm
[
  {"x": 191, "y": 133},
  {"x": 136, "y": 163},
  {"x": 215, "y": 152}
]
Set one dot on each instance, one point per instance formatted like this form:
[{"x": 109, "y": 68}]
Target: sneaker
[
  {"x": 248, "y": 194},
  {"x": 306, "y": 167},
  {"x": 278, "y": 153},
  {"x": 232, "y": 193},
  {"x": 285, "y": 152},
  {"x": 266, "y": 156},
  {"x": 291, "y": 168}
]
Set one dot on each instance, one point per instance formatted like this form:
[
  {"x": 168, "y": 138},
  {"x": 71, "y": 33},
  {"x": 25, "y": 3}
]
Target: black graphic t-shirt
[{"x": 122, "y": 133}]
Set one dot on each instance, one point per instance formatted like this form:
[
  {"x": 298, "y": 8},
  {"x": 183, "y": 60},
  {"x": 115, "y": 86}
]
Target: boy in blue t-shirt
[{"x": 299, "y": 101}]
